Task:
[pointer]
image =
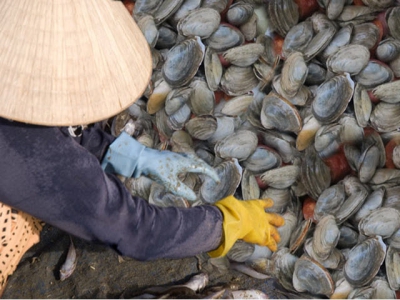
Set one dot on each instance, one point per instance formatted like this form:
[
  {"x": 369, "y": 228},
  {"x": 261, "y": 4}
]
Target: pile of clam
[{"x": 291, "y": 100}]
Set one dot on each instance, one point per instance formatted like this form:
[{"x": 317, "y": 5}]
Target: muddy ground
[{"x": 101, "y": 273}]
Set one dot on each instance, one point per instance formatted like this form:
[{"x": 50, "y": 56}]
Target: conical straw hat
[{"x": 69, "y": 62}]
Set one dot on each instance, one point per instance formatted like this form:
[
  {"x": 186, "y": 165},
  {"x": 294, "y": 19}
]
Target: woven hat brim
[{"x": 69, "y": 62}]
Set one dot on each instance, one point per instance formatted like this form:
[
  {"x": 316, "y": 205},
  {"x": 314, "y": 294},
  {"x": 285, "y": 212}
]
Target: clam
[
  {"x": 183, "y": 10},
  {"x": 294, "y": 73},
  {"x": 178, "y": 119},
  {"x": 362, "y": 105},
  {"x": 278, "y": 113},
  {"x": 327, "y": 140},
  {"x": 388, "y": 49},
  {"x": 330, "y": 201},
  {"x": 307, "y": 133},
  {"x": 333, "y": 261},
  {"x": 239, "y": 13},
  {"x": 284, "y": 263},
  {"x": 393, "y": 21},
  {"x": 249, "y": 28},
  {"x": 287, "y": 229},
  {"x": 230, "y": 173},
  {"x": 373, "y": 202},
  {"x": 167, "y": 37},
  {"x": 364, "y": 261},
  {"x": 262, "y": 159},
  {"x": 212, "y": 68},
  {"x": 201, "y": 127},
  {"x": 316, "y": 73},
  {"x": 382, "y": 288},
  {"x": 176, "y": 99},
  {"x": 160, "y": 197},
  {"x": 239, "y": 145},
  {"x": 374, "y": 74},
  {"x": 183, "y": 61},
  {"x": 218, "y": 5},
  {"x": 282, "y": 143},
  {"x": 282, "y": 177},
  {"x": 341, "y": 38},
  {"x": 315, "y": 173},
  {"x": 326, "y": 236},
  {"x": 298, "y": 38},
  {"x": 383, "y": 221},
  {"x": 202, "y": 99},
  {"x": 392, "y": 263},
  {"x": 166, "y": 9},
  {"x": 385, "y": 117},
  {"x": 237, "y": 81},
  {"x": 240, "y": 251},
  {"x": 201, "y": 22},
  {"x": 281, "y": 198},
  {"x": 349, "y": 59},
  {"x": 388, "y": 92},
  {"x": 366, "y": 34},
  {"x": 300, "y": 234},
  {"x": 148, "y": 28},
  {"x": 299, "y": 99},
  {"x": 237, "y": 105},
  {"x": 354, "y": 14},
  {"x": 249, "y": 185},
  {"x": 283, "y": 15},
  {"x": 348, "y": 236},
  {"x": 244, "y": 55},
  {"x": 332, "y": 98},
  {"x": 224, "y": 38},
  {"x": 310, "y": 276},
  {"x": 225, "y": 128},
  {"x": 333, "y": 8},
  {"x": 379, "y": 3},
  {"x": 361, "y": 293},
  {"x": 325, "y": 31}
]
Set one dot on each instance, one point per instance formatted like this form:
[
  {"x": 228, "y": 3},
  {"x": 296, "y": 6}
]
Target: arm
[{"x": 50, "y": 176}]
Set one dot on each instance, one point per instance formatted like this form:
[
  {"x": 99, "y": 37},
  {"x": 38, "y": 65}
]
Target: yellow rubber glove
[{"x": 247, "y": 220}]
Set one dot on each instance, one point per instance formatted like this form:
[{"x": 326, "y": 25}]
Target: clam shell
[
  {"x": 392, "y": 264},
  {"x": 298, "y": 37},
  {"x": 202, "y": 99},
  {"x": 374, "y": 74},
  {"x": 382, "y": 288},
  {"x": 166, "y": 9},
  {"x": 239, "y": 13},
  {"x": 388, "y": 49},
  {"x": 282, "y": 177},
  {"x": 362, "y": 105},
  {"x": 300, "y": 235},
  {"x": 283, "y": 15},
  {"x": 230, "y": 173},
  {"x": 341, "y": 38},
  {"x": 294, "y": 73},
  {"x": 201, "y": 127},
  {"x": 183, "y": 61},
  {"x": 351, "y": 204},
  {"x": 366, "y": 34},
  {"x": 244, "y": 55},
  {"x": 278, "y": 113},
  {"x": 212, "y": 69},
  {"x": 388, "y": 92},
  {"x": 239, "y": 145},
  {"x": 332, "y": 98},
  {"x": 224, "y": 38},
  {"x": 348, "y": 237},
  {"x": 326, "y": 237},
  {"x": 284, "y": 263},
  {"x": 237, "y": 81},
  {"x": 310, "y": 276},
  {"x": 332, "y": 262},
  {"x": 373, "y": 202},
  {"x": 393, "y": 22},
  {"x": 201, "y": 22},
  {"x": 330, "y": 201},
  {"x": 237, "y": 105},
  {"x": 385, "y": 117},
  {"x": 262, "y": 159},
  {"x": 382, "y": 221},
  {"x": 281, "y": 198},
  {"x": 349, "y": 59},
  {"x": 249, "y": 185},
  {"x": 364, "y": 261},
  {"x": 176, "y": 99},
  {"x": 287, "y": 229}
]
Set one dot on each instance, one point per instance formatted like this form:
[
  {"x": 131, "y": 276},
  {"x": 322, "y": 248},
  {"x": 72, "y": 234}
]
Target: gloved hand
[
  {"x": 128, "y": 157},
  {"x": 247, "y": 220}
]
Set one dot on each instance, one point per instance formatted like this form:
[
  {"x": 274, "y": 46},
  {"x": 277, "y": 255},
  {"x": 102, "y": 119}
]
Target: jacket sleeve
[{"x": 49, "y": 175}]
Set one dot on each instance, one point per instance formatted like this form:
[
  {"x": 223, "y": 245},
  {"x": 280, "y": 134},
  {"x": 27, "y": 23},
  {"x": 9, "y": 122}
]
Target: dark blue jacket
[{"x": 57, "y": 178}]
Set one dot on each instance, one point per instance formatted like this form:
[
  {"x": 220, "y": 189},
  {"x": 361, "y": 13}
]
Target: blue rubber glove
[{"x": 128, "y": 157}]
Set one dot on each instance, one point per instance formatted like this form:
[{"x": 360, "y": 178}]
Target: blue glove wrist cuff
[{"x": 122, "y": 156}]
